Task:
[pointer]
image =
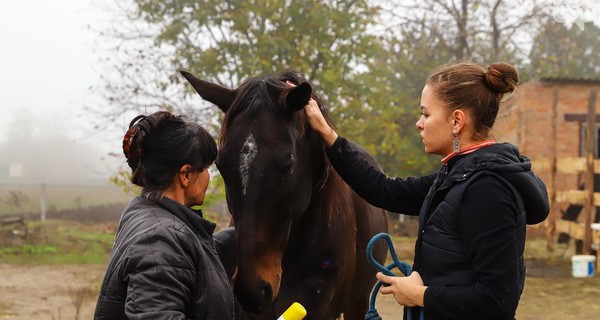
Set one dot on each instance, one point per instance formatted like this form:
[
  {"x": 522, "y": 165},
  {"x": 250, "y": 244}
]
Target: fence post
[
  {"x": 551, "y": 222},
  {"x": 589, "y": 207},
  {"x": 43, "y": 203}
]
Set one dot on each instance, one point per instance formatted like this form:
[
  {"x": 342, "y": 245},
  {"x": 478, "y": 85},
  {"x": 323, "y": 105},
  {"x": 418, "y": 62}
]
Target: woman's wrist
[
  {"x": 419, "y": 298},
  {"x": 329, "y": 136}
]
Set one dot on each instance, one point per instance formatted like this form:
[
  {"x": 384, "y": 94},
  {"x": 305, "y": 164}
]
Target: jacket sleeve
[
  {"x": 488, "y": 221},
  {"x": 397, "y": 195},
  {"x": 159, "y": 276},
  {"x": 225, "y": 245}
]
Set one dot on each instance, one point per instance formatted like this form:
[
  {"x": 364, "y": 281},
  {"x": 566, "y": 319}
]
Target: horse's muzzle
[{"x": 256, "y": 298}]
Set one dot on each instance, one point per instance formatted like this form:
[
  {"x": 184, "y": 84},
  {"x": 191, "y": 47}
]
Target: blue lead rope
[{"x": 372, "y": 314}]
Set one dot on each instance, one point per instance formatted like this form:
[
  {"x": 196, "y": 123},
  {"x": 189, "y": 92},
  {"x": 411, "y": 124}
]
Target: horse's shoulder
[{"x": 362, "y": 151}]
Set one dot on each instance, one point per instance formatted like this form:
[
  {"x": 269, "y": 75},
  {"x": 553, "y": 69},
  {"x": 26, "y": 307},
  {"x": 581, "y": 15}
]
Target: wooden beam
[
  {"x": 576, "y": 230},
  {"x": 589, "y": 209},
  {"x": 568, "y": 165},
  {"x": 576, "y": 197},
  {"x": 579, "y": 117},
  {"x": 550, "y": 222}
]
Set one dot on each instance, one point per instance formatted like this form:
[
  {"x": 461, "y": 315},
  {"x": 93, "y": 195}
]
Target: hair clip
[{"x": 128, "y": 140}]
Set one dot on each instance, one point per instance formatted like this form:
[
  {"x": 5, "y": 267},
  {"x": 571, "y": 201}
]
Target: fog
[{"x": 56, "y": 148}]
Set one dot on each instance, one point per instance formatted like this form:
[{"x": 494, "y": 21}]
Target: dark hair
[
  {"x": 469, "y": 86},
  {"x": 158, "y": 145}
]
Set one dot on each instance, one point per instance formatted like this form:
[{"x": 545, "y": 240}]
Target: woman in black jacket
[
  {"x": 164, "y": 263},
  {"x": 472, "y": 213}
]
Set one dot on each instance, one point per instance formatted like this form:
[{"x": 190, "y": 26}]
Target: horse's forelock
[{"x": 254, "y": 93}]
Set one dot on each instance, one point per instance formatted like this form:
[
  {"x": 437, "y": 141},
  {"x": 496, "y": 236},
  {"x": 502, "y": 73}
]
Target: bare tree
[{"x": 478, "y": 30}]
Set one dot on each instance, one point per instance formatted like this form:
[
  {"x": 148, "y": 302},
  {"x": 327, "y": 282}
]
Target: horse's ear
[
  {"x": 219, "y": 95},
  {"x": 298, "y": 97}
]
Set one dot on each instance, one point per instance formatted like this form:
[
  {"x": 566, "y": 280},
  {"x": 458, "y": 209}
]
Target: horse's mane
[{"x": 263, "y": 92}]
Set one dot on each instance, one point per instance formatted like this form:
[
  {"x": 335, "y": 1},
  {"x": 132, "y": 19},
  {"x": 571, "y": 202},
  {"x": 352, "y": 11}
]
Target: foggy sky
[{"x": 42, "y": 147}]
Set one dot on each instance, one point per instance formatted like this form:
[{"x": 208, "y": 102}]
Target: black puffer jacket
[
  {"x": 164, "y": 265},
  {"x": 471, "y": 231}
]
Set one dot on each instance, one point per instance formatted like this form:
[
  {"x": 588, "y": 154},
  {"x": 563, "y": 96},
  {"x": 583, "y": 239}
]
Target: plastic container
[{"x": 583, "y": 265}]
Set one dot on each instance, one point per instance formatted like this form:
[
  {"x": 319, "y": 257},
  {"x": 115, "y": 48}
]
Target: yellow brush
[{"x": 295, "y": 312}]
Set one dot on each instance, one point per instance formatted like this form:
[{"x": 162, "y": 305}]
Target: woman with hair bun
[
  {"x": 165, "y": 262},
  {"x": 472, "y": 213}
]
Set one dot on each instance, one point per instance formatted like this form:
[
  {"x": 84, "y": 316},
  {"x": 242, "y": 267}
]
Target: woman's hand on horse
[
  {"x": 408, "y": 291},
  {"x": 317, "y": 122}
]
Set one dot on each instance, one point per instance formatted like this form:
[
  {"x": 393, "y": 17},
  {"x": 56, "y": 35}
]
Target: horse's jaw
[{"x": 257, "y": 285}]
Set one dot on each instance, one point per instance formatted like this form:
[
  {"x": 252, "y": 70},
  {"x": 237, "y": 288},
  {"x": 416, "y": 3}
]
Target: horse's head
[{"x": 271, "y": 163}]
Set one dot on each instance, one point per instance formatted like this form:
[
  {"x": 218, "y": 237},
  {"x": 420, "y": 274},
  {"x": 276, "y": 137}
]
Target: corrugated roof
[{"x": 582, "y": 80}]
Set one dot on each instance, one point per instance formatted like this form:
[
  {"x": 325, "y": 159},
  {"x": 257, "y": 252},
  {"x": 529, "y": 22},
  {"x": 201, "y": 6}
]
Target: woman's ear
[
  {"x": 458, "y": 120},
  {"x": 184, "y": 175}
]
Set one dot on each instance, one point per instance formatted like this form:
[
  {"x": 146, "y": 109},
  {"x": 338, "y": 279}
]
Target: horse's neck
[
  {"x": 329, "y": 204},
  {"x": 329, "y": 191},
  {"x": 324, "y": 177}
]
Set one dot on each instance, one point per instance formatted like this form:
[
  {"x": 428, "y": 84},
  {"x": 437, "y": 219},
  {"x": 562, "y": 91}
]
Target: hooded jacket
[
  {"x": 472, "y": 217},
  {"x": 165, "y": 265}
]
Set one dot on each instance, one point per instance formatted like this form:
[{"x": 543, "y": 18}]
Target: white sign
[{"x": 15, "y": 170}]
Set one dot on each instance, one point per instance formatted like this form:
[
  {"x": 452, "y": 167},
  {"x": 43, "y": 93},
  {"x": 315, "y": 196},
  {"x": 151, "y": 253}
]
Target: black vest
[{"x": 441, "y": 257}]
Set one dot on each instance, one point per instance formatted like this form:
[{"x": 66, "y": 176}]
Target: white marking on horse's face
[{"x": 247, "y": 154}]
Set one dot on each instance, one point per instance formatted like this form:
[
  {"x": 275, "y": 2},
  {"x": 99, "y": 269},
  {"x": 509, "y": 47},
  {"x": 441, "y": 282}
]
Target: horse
[{"x": 301, "y": 232}]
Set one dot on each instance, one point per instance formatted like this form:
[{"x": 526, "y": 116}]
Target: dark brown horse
[{"x": 301, "y": 231}]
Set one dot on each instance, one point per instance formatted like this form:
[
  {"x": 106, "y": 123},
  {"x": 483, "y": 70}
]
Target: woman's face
[
  {"x": 196, "y": 190},
  {"x": 435, "y": 123}
]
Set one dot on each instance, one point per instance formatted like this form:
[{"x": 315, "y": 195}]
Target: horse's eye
[
  {"x": 290, "y": 170},
  {"x": 287, "y": 165}
]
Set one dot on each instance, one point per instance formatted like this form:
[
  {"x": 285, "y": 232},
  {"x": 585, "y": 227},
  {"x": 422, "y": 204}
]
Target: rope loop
[{"x": 404, "y": 267}]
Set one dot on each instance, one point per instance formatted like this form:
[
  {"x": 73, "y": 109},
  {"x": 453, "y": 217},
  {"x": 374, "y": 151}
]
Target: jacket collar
[
  {"x": 192, "y": 218},
  {"x": 503, "y": 159},
  {"x": 467, "y": 150}
]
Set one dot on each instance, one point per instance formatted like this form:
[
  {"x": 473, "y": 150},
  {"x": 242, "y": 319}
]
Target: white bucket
[{"x": 583, "y": 265}]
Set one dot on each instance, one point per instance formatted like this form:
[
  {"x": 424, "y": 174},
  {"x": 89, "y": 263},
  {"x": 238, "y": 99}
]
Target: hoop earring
[{"x": 455, "y": 146}]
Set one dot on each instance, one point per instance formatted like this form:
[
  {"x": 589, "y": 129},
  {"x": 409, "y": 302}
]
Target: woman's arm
[
  {"x": 159, "y": 277},
  {"x": 225, "y": 245},
  {"x": 396, "y": 195}
]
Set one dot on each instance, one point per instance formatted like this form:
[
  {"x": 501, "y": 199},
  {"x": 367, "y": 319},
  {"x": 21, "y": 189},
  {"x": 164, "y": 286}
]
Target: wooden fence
[{"x": 588, "y": 166}]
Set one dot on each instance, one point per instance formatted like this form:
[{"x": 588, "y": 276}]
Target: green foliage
[
  {"x": 216, "y": 190},
  {"x": 234, "y": 40},
  {"x": 327, "y": 41},
  {"x": 385, "y": 103},
  {"x": 559, "y": 51},
  {"x": 123, "y": 179},
  {"x": 370, "y": 80}
]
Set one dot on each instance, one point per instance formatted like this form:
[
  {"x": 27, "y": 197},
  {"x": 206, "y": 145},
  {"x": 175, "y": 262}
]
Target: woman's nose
[{"x": 419, "y": 123}]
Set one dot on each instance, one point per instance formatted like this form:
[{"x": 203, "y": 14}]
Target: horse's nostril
[
  {"x": 255, "y": 299},
  {"x": 267, "y": 292}
]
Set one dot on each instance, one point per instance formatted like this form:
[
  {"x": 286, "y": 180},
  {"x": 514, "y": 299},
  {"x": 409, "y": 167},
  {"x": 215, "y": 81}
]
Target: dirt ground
[
  {"x": 58, "y": 292},
  {"x": 61, "y": 292},
  {"x": 49, "y": 292}
]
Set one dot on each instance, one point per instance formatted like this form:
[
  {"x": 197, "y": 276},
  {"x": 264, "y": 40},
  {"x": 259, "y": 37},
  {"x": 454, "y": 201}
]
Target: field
[
  {"x": 25, "y": 200},
  {"x": 56, "y": 273}
]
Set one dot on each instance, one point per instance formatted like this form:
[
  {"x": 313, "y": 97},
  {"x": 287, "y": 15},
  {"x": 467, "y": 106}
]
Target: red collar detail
[{"x": 467, "y": 150}]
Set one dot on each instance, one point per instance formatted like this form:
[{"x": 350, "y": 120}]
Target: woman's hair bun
[
  {"x": 140, "y": 129},
  {"x": 501, "y": 77}
]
